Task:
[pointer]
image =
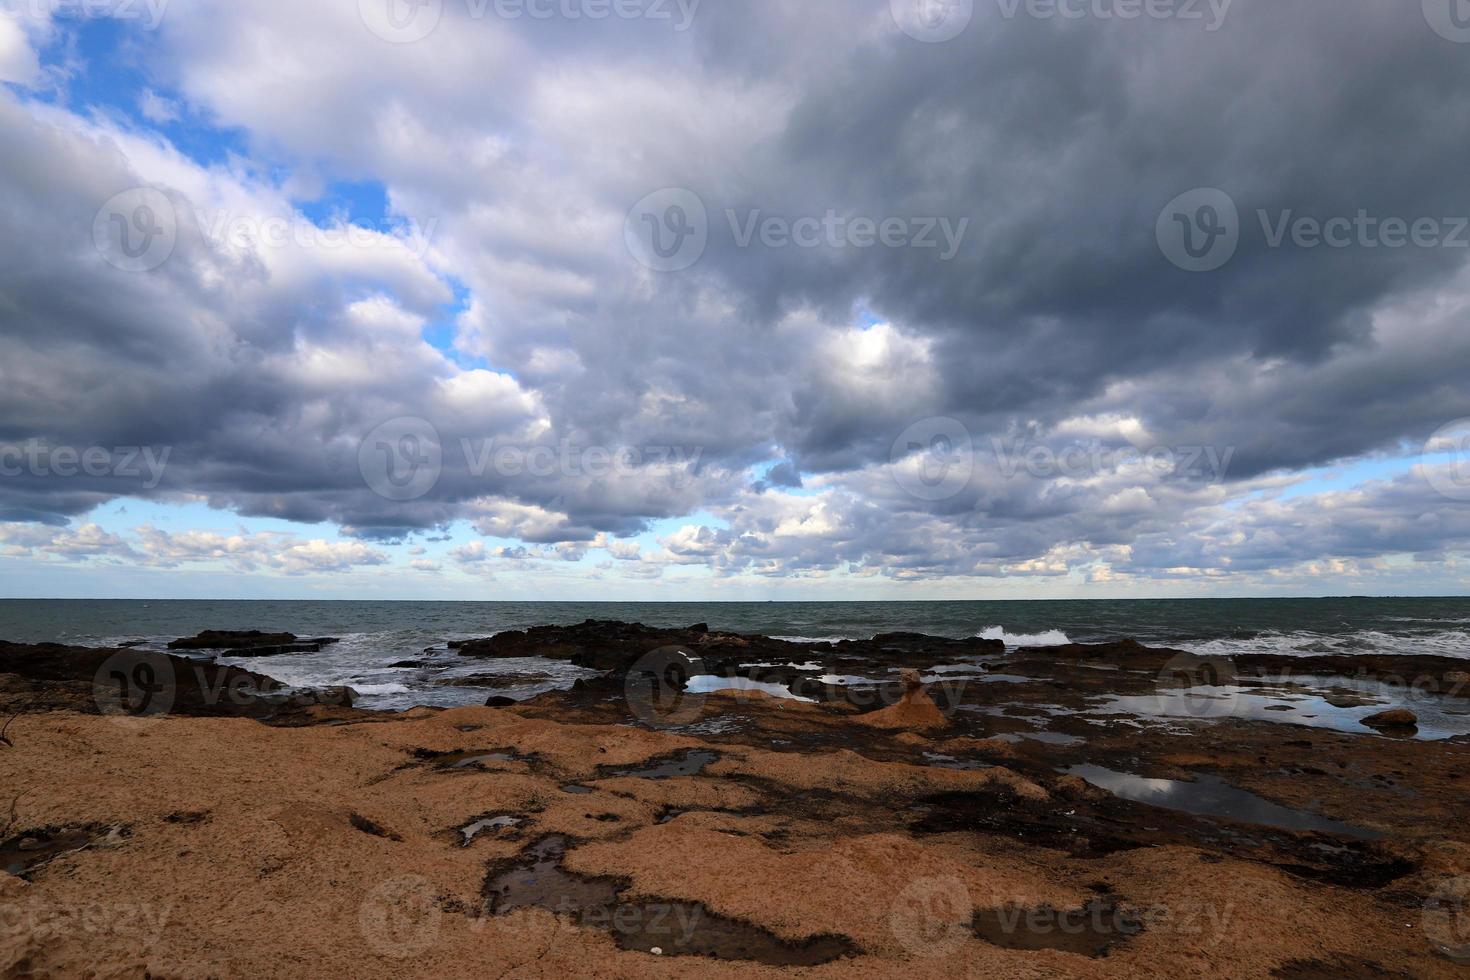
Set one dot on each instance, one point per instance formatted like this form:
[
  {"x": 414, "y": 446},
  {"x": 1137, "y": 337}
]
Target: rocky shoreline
[{"x": 715, "y": 803}]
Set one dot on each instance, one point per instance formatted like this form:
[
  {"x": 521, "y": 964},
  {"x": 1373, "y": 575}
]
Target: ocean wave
[
  {"x": 371, "y": 690},
  {"x": 1048, "y": 638},
  {"x": 1447, "y": 643}
]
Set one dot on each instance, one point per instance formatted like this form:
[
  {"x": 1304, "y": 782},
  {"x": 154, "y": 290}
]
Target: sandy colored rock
[
  {"x": 239, "y": 848},
  {"x": 914, "y": 711}
]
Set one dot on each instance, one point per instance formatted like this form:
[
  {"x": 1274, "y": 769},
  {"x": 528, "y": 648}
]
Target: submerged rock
[{"x": 251, "y": 643}]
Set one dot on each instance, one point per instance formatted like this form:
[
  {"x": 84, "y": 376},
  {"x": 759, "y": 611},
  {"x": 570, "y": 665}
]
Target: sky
[{"x": 746, "y": 300}]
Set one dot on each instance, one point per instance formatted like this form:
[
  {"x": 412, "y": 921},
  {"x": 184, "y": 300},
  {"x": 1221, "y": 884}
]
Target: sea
[{"x": 376, "y": 635}]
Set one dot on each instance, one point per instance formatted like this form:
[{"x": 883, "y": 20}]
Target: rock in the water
[
  {"x": 230, "y": 640},
  {"x": 497, "y": 701},
  {"x": 1398, "y": 718},
  {"x": 252, "y": 643},
  {"x": 615, "y": 646}
]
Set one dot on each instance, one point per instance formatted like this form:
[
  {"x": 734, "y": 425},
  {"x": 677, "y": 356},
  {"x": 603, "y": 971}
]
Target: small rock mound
[{"x": 915, "y": 710}]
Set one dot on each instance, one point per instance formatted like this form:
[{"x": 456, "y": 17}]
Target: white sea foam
[
  {"x": 372, "y": 690},
  {"x": 1302, "y": 643},
  {"x": 1049, "y": 638}
]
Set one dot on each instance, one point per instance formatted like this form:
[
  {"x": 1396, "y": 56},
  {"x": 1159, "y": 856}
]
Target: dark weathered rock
[
  {"x": 1395, "y": 719},
  {"x": 1122, "y": 653},
  {"x": 90, "y": 680},
  {"x": 494, "y": 680},
  {"x": 615, "y": 646},
  {"x": 252, "y": 643},
  {"x": 230, "y": 640},
  {"x": 1436, "y": 675}
]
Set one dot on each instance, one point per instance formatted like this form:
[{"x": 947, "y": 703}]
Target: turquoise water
[{"x": 376, "y": 635}]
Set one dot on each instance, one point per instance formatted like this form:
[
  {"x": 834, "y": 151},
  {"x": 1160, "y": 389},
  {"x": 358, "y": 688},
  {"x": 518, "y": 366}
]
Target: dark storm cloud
[{"x": 1045, "y": 149}]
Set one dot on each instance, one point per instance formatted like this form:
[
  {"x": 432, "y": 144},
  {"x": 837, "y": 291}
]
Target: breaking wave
[{"x": 1049, "y": 638}]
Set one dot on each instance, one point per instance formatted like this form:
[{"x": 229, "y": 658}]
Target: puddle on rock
[
  {"x": 578, "y": 790},
  {"x": 1050, "y": 738},
  {"x": 1338, "y": 704},
  {"x": 467, "y": 759},
  {"x": 689, "y": 763},
  {"x": 476, "y": 827},
  {"x": 1091, "y": 931},
  {"x": 940, "y": 761},
  {"x": 941, "y": 675},
  {"x": 709, "y": 684},
  {"x": 674, "y": 928},
  {"x": 29, "y": 851},
  {"x": 1211, "y": 796}
]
